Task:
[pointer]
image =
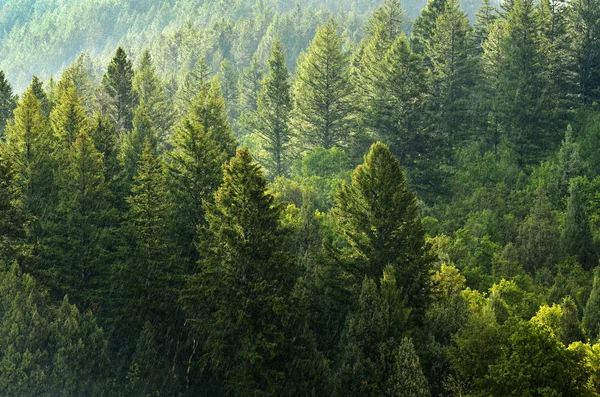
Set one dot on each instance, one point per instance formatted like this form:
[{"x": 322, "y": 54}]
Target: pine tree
[
  {"x": 74, "y": 250},
  {"x": 395, "y": 113},
  {"x": 118, "y": 84},
  {"x": 585, "y": 28},
  {"x": 106, "y": 142},
  {"x": 37, "y": 87},
  {"x": 146, "y": 277},
  {"x": 250, "y": 86},
  {"x": 591, "y": 313},
  {"x": 228, "y": 77},
  {"x": 407, "y": 378},
  {"x": 378, "y": 218},
  {"x": 192, "y": 85},
  {"x": 208, "y": 110},
  {"x": 323, "y": 111},
  {"x": 150, "y": 91},
  {"x": 7, "y": 102},
  {"x": 522, "y": 85},
  {"x": 450, "y": 50},
  {"x": 26, "y": 151},
  {"x": 133, "y": 146},
  {"x": 422, "y": 29},
  {"x": 242, "y": 296},
  {"x": 485, "y": 18},
  {"x": 577, "y": 239},
  {"x": 68, "y": 118},
  {"x": 273, "y": 112},
  {"x": 81, "y": 74}
]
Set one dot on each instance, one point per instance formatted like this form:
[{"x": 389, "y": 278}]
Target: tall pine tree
[{"x": 118, "y": 84}]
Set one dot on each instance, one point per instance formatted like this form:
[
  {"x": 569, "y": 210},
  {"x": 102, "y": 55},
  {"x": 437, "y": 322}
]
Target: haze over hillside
[{"x": 42, "y": 37}]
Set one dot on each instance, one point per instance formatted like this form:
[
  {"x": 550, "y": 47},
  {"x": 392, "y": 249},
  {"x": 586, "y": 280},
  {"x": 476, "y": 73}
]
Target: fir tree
[
  {"x": 118, "y": 83},
  {"x": 192, "y": 85},
  {"x": 242, "y": 296},
  {"x": 379, "y": 233},
  {"x": 577, "y": 239},
  {"x": 68, "y": 118},
  {"x": 81, "y": 74},
  {"x": 407, "y": 378},
  {"x": 106, "y": 142},
  {"x": 273, "y": 112},
  {"x": 323, "y": 110},
  {"x": 7, "y": 102},
  {"x": 37, "y": 87},
  {"x": 585, "y": 28},
  {"x": 134, "y": 142},
  {"x": 422, "y": 29},
  {"x": 485, "y": 17}
]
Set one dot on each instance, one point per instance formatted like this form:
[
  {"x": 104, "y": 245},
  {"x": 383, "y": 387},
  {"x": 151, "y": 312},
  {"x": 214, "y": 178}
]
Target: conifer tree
[
  {"x": 273, "y": 112},
  {"x": 422, "y": 29},
  {"x": 522, "y": 86},
  {"x": 585, "y": 28},
  {"x": 228, "y": 77},
  {"x": 485, "y": 17},
  {"x": 26, "y": 151},
  {"x": 450, "y": 51},
  {"x": 133, "y": 145},
  {"x": 150, "y": 91},
  {"x": 145, "y": 279},
  {"x": 591, "y": 313},
  {"x": 577, "y": 239},
  {"x": 81, "y": 74},
  {"x": 118, "y": 84},
  {"x": 242, "y": 296},
  {"x": 250, "y": 86},
  {"x": 74, "y": 250},
  {"x": 395, "y": 113},
  {"x": 37, "y": 87},
  {"x": 379, "y": 233},
  {"x": 192, "y": 85},
  {"x": 323, "y": 111},
  {"x": 407, "y": 377},
  {"x": 68, "y": 118},
  {"x": 106, "y": 142},
  {"x": 7, "y": 102},
  {"x": 208, "y": 110}
]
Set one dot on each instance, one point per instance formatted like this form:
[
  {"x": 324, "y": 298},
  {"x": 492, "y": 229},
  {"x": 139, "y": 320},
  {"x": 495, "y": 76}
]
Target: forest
[{"x": 327, "y": 198}]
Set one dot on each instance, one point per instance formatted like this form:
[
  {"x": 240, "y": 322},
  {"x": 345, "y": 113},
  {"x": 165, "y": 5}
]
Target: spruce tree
[
  {"x": 585, "y": 28},
  {"x": 81, "y": 74},
  {"x": 378, "y": 218},
  {"x": 118, "y": 84},
  {"x": 150, "y": 91},
  {"x": 75, "y": 248},
  {"x": 577, "y": 239},
  {"x": 242, "y": 297},
  {"x": 37, "y": 87},
  {"x": 106, "y": 142},
  {"x": 273, "y": 112},
  {"x": 7, "y": 102},
  {"x": 422, "y": 29},
  {"x": 407, "y": 377},
  {"x": 450, "y": 51},
  {"x": 208, "y": 110},
  {"x": 133, "y": 145},
  {"x": 192, "y": 85},
  {"x": 68, "y": 118},
  {"x": 323, "y": 109},
  {"x": 485, "y": 17}
]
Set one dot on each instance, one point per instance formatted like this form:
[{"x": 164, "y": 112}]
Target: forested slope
[{"x": 325, "y": 206}]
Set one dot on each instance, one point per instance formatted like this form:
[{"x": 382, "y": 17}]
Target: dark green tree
[
  {"x": 37, "y": 87},
  {"x": 134, "y": 142},
  {"x": 241, "y": 300},
  {"x": 591, "y": 313},
  {"x": 118, "y": 84},
  {"x": 7, "y": 102},
  {"x": 585, "y": 28},
  {"x": 273, "y": 112},
  {"x": 422, "y": 29},
  {"x": 378, "y": 218},
  {"x": 192, "y": 85}
]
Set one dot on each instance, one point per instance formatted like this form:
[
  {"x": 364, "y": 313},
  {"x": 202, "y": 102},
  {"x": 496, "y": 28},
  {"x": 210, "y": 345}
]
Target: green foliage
[
  {"x": 7, "y": 102},
  {"x": 323, "y": 109},
  {"x": 118, "y": 84}
]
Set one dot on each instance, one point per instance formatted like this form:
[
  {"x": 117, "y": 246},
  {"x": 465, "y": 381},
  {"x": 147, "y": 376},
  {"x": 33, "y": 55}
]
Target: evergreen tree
[
  {"x": 208, "y": 110},
  {"x": 106, "y": 142},
  {"x": 228, "y": 77},
  {"x": 273, "y": 112},
  {"x": 81, "y": 74},
  {"x": 522, "y": 86},
  {"x": 75, "y": 249},
  {"x": 249, "y": 88},
  {"x": 242, "y": 296},
  {"x": 407, "y": 377},
  {"x": 591, "y": 313},
  {"x": 150, "y": 91},
  {"x": 37, "y": 87},
  {"x": 118, "y": 84},
  {"x": 323, "y": 110},
  {"x": 486, "y": 16},
  {"x": 577, "y": 239},
  {"x": 585, "y": 28},
  {"x": 379, "y": 233},
  {"x": 450, "y": 50},
  {"x": 133, "y": 145},
  {"x": 422, "y": 29},
  {"x": 68, "y": 118},
  {"x": 26, "y": 152},
  {"x": 7, "y": 102},
  {"x": 192, "y": 85}
]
